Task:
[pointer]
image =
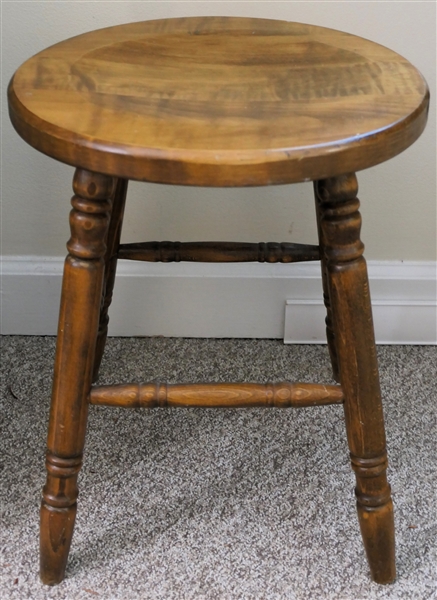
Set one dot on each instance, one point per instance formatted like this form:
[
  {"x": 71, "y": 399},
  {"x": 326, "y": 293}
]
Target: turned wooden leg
[
  {"x": 330, "y": 337},
  {"x": 353, "y": 328},
  {"x": 112, "y": 243},
  {"x": 77, "y": 331}
]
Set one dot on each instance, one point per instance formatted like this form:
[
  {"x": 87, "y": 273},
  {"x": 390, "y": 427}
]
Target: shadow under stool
[{"x": 224, "y": 102}]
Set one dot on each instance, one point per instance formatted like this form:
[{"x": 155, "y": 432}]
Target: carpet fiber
[{"x": 215, "y": 503}]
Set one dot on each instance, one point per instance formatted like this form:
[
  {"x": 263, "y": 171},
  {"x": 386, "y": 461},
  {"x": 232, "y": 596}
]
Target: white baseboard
[
  {"x": 395, "y": 321},
  {"x": 224, "y": 300}
]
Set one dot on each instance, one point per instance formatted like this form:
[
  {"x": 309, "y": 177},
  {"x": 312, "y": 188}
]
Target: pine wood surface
[{"x": 219, "y": 101}]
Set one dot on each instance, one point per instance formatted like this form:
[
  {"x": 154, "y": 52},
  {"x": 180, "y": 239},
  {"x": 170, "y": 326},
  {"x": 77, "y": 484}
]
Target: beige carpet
[{"x": 218, "y": 504}]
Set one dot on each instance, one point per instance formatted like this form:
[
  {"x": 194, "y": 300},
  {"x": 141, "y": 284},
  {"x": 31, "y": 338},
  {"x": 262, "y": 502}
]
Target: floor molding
[{"x": 247, "y": 300}]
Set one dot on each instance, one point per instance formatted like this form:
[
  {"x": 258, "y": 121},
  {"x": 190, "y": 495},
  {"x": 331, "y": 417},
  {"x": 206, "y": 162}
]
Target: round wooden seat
[{"x": 219, "y": 102}]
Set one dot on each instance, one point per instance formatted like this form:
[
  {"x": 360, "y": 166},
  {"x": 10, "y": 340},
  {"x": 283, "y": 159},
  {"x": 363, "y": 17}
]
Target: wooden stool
[{"x": 216, "y": 102}]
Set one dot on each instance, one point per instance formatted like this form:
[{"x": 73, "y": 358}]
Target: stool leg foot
[
  {"x": 375, "y": 515},
  {"x": 355, "y": 344},
  {"x": 77, "y": 332},
  {"x": 330, "y": 336},
  {"x": 113, "y": 241},
  {"x": 58, "y": 514}
]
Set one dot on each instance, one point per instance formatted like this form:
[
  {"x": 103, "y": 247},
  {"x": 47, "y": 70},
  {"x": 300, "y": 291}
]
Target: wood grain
[
  {"x": 219, "y": 101},
  {"x": 340, "y": 223},
  {"x": 271, "y": 252},
  {"x": 77, "y": 332},
  {"x": 330, "y": 335},
  {"x": 112, "y": 246},
  {"x": 216, "y": 395}
]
